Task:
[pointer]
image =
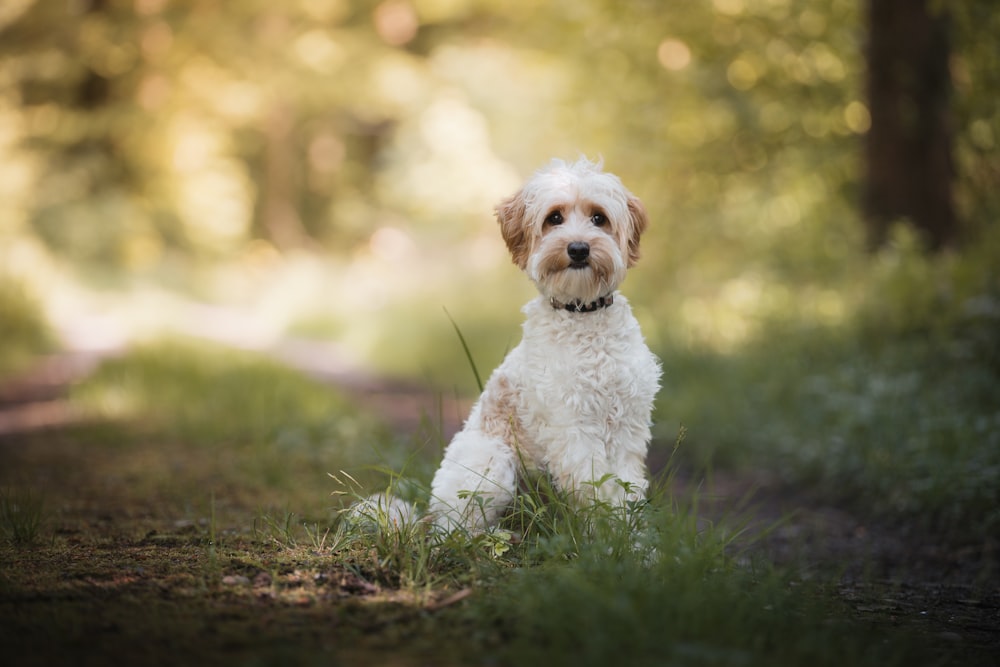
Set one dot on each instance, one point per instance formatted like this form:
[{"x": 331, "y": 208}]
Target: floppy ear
[
  {"x": 638, "y": 221},
  {"x": 514, "y": 229}
]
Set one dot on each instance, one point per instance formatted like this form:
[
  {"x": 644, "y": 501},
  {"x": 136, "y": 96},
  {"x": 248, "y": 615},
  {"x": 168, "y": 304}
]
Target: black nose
[{"x": 578, "y": 251}]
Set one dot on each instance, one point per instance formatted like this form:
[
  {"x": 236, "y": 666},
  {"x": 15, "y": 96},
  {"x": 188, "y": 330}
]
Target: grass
[
  {"x": 690, "y": 605},
  {"x": 22, "y": 513},
  {"x": 195, "y": 512},
  {"x": 238, "y": 416},
  {"x": 911, "y": 431},
  {"x": 650, "y": 584},
  {"x": 894, "y": 412}
]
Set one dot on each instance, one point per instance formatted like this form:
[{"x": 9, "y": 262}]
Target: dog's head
[{"x": 574, "y": 230}]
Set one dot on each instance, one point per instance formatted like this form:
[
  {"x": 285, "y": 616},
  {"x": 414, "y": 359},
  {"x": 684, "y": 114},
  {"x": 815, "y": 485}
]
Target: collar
[{"x": 578, "y": 307}]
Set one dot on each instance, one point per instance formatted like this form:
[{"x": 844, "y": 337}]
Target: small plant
[
  {"x": 21, "y": 515},
  {"x": 383, "y": 537},
  {"x": 317, "y": 538},
  {"x": 279, "y": 531}
]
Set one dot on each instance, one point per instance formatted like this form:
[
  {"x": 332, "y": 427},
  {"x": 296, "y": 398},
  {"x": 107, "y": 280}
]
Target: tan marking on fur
[
  {"x": 640, "y": 220},
  {"x": 499, "y": 413},
  {"x": 514, "y": 229}
]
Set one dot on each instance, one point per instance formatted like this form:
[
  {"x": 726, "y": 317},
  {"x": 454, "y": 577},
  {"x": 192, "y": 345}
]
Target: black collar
[{"x": 577, "y": 307}]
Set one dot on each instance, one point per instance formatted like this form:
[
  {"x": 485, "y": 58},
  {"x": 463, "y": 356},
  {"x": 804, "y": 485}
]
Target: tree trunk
[{"x": 908, "y": 151}]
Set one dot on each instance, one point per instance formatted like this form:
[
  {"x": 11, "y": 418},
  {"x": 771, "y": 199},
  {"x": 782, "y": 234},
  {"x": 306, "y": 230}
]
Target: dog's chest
[
  {"x": 600, "y": 375},
  {"x": 589, "y": 379}
]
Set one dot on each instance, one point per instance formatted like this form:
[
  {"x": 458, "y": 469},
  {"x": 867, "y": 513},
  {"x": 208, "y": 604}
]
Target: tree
[{"x": 910, "y": 171}]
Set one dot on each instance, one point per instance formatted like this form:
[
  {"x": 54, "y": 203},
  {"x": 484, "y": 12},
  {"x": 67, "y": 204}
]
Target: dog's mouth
[{"x": 579, "y": 264}]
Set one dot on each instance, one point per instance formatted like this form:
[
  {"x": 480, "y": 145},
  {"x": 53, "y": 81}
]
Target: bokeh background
[
  {"x": 821, "y": 176},
  {"x": 329, "y": 167},
  {"x": 313, "y": 180},
  {"x": 820, "y": 277}
]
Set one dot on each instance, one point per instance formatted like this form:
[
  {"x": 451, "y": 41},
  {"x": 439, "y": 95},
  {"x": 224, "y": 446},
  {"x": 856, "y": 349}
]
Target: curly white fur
[{"x": 574, "y": 398}]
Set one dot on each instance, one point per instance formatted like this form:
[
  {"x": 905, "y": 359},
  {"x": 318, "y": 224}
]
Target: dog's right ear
[{"x": 511, "y": 214}]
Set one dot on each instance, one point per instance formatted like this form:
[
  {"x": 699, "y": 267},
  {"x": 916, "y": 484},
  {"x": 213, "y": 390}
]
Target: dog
[{"x": 574, "y": 398}]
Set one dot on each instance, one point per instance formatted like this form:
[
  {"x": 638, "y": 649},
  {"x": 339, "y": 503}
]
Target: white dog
[{"x": 574, "y": 398}]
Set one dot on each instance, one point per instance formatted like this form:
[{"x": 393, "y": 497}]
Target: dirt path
[{"x": 36, "y": 397}]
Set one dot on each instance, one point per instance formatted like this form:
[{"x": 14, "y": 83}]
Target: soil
[{"x": 111, "y": 572}]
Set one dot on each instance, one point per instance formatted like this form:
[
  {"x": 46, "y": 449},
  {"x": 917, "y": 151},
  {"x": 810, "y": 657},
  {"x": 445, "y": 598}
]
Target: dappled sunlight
[
  {"x": 747, "y": 306},
  {"x": 453, "y": 174},
  {"x": 396, "y": 21},
  {"x": 213, "y": 193},
  {"x": 673, "y": 54},
  {"x": 318, "y": 50},
  {"x": 329, "y": 170},
  {"x": 17, "y": 172},
  {"x": 400, "y": 80},
  {"x": 375, "y": 310}
]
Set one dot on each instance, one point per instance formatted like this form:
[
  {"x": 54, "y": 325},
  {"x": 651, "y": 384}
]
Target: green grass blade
[{"x": 465, "y": 347}]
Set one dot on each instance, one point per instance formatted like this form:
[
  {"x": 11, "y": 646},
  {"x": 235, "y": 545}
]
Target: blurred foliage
[
  {"x": 896, "y": 412},
  {"x": 23, "y": 329},
  {"x": 149, "y": 129},
  {"x": 157, "y": 139},
  {"x": 201, "y": 397}
]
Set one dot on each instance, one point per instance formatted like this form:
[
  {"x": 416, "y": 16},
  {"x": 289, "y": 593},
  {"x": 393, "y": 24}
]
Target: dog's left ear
[
  {"x": 638, "y": 220},
  {"x": 511, "y": 216}
]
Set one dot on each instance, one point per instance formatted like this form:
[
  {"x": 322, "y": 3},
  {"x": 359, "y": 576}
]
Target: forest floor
[{"x": 119, "y": 562}]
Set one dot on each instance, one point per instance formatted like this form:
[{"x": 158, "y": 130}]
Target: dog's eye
[
  {"x": 599, "y": 219},
  {"x": 554, "y": 218}
]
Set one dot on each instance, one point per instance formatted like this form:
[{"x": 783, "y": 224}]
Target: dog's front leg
[
  {"x": 475, "y": 483},
  {"x": 591, "y": 474}
]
